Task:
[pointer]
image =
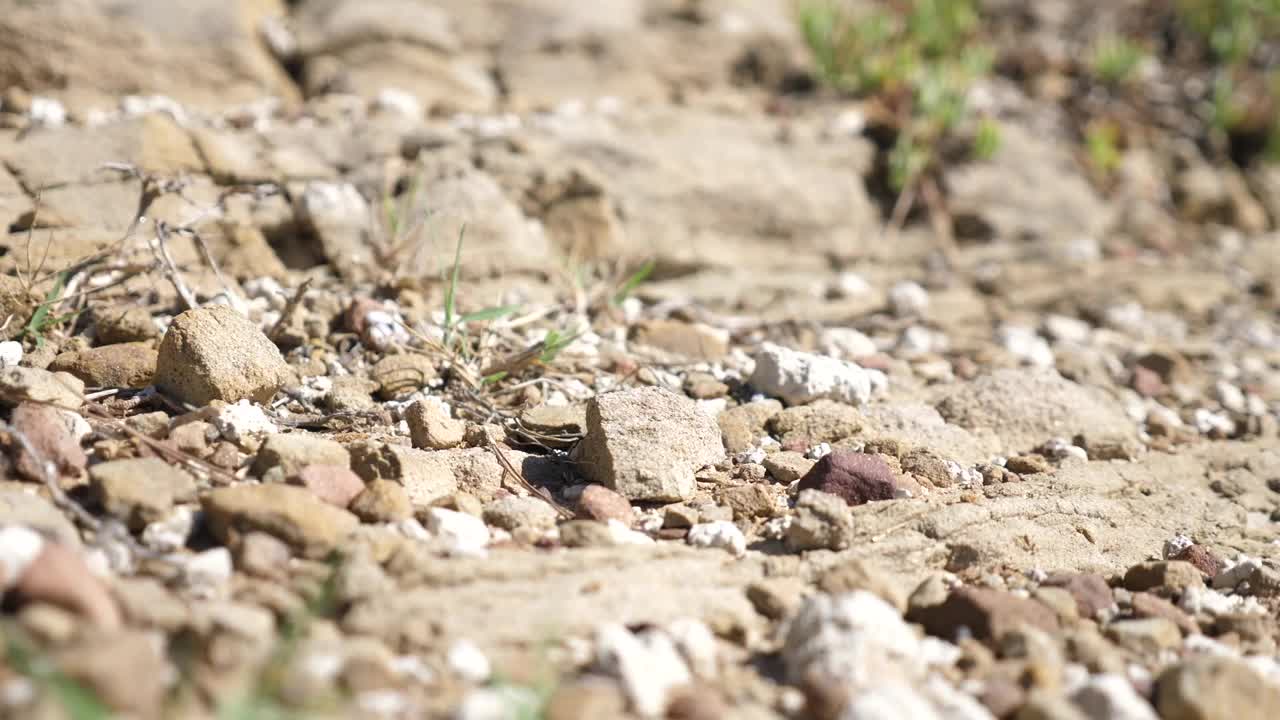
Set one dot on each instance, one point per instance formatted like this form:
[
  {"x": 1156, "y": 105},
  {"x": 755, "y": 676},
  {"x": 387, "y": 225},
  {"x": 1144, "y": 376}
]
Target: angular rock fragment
[
  {"x": 41, "y": 386},
  {"x": 856, "y": 478},
  {"x": 140, "y": 491},
  {"x": 821, "y": 521},
  {"x": 126, "y": 365},
  {"x": 798, "y": 378},
  {"x": 291, "y": 452},
  {"x": 214, "y": 353},
  {"x": 987, "y": 614},
  {"x": 647, "y": 443},
  {"x": 431, "y": 428},
  {"x": 311, "y": 526}
]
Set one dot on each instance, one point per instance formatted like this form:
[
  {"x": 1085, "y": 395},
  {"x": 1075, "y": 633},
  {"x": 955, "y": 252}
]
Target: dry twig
[
  {"x": 289, "y": 310},
  {"x": 541, "y": 493}
]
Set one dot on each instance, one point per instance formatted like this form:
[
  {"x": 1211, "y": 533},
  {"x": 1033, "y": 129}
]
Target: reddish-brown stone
[
  {"x": 600, "y": 503},
  {"x": 331, "y": 483},
  {"x": 857, "y": 478},
  {"x": 987, "y": 614}
]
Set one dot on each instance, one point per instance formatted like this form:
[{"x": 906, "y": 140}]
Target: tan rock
[
  {"x": 42, "y": 386},
  {"x": 431, "y": 428},
  {"x": 214, "y": 353},
  {"x": 647, "y": 444},
  {"x": 382, "y": 501},
  {"x": 123, "y": 324},
  {"x": 402, "y": 374},
  {"x": 293, "y": 514},
  {"x": 291, "y": 452},
  {"x": 125, "y": 365},
  {"x": 694, "y": 341},
  {"x": 207, "y": 52},
  {"x": 142, "y": 490}
]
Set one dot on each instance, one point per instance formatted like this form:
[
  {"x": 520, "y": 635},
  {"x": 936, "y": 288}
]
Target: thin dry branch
[
  {"x": 161, "y": 248},
  {"x": 166, "y": 451},
  {"x": 541, "y": 493},
  {"x": 289, "y": 309}
]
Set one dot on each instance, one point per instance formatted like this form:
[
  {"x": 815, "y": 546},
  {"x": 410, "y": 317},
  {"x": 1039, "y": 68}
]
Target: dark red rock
[
  {"x": 987, "y": 614},
  {"x": 1091, "y": 592},
  {"x": 857, "y": 478},
  {"x": 1202, "y": 558},
  {"x": 47, "y": 430},
  {"x": 600, "y": 503}
]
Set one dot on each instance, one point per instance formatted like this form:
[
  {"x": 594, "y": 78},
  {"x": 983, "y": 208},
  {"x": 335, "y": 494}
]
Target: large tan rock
[
  {"x": 206, "y": 53},
  {"x": 73, "y": 155},
  {"x": 1025, "y": 407},
  {"x": 310, "y": 525},
  {"x": 140, "y": 490},
  {"x": 367, "y": 46},
  {"x": 647, "y": 443},
  {"x": 215, "y": 353},
  {"x": 124, "y": 365}
]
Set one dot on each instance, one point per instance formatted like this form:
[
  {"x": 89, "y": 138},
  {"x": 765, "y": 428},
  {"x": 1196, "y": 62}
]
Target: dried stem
[
  {"x": 161, "y": 248},
  {"x": 538, "y": 492},
  {"x": 289, "y": 309}
]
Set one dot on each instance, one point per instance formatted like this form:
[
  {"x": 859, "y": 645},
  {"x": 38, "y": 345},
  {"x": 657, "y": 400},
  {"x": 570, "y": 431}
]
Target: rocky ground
[{"x": 538, "y": 359}]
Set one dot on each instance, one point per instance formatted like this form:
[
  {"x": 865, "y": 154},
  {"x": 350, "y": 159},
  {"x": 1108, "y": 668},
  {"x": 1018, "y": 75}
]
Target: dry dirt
[{"x": 1086, "y": 391}]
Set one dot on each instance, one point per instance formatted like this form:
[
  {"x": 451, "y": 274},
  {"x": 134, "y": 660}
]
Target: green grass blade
[
  {"x": 451, "y": 293},
  {"x": 634, "y": 281},
  {"x": 554, "y": 343},
  {"x": 492, "y": 313}
]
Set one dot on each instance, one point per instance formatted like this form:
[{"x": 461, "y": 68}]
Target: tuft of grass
[
  {"x": 1114, "y": 59},
  {"x": 633, "y": 281},
  {"x": 553, "y": 344},
  {"x": 42, "y": 319},
  {"x": 452, "y": 320},
  {"x": 1241, "y": 38},
  {"x": 1226, "y": 108},
  {"x": 1102, "y": 144},
  {"x": 1232, "y": 29},
  {"x": 987, "y": 141},
  {"x": 400, "y": 231},
  {"x": 922, "y": 56}
]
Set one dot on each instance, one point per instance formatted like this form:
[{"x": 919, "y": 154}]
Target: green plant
[
  {"x": 986, "y": 143},
  {"x": 922, "y": 55},
  {"x": 1101, "y": 142},
  {"x": 452, "y": 320},
  {"x": 1114, "y": 58},
  {"x": 1241, "y": 38},
  {"x": 633, "y": 281},
  {"x": 42, "y": 318},
  {"x": 399, "y": 230},
  {"x": 1232, "y": 29},
  {"x": 1227, "y": 111}
]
